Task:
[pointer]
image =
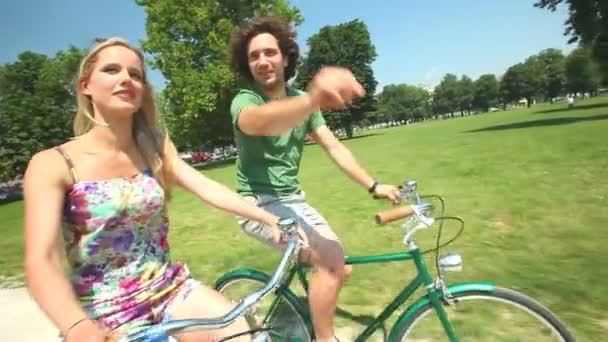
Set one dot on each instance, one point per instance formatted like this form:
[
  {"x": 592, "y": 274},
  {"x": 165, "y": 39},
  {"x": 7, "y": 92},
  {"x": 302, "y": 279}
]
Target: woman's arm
[
  {"x": 219, "y": 195},
  {"x": 44, "y": 188}
]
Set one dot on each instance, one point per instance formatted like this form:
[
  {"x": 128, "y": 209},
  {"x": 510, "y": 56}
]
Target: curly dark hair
[{"x": 279, "y": 28}]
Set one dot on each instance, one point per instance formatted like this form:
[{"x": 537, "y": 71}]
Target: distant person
[{"x": 570, "y": 100}]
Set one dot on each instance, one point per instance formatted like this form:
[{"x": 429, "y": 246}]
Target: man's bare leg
[{"x": 325, "y": 283}]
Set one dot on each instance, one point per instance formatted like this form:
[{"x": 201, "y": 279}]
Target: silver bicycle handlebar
[
  {"x": 294, "y": 244},
  {"x": 420, "y": 219}
]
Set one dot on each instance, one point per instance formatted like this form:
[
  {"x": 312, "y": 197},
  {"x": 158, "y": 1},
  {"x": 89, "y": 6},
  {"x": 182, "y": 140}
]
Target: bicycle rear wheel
[
  {"x": 277, "y": 313},
  {"x": 500, "y": 315}
]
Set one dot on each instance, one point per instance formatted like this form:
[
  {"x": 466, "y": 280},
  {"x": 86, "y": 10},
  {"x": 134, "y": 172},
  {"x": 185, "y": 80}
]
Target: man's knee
[{"x": 332, "y": 262}]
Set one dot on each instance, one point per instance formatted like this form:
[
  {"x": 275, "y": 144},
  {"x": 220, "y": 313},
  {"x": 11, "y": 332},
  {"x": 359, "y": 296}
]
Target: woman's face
[{"x": 116, "y": 83}]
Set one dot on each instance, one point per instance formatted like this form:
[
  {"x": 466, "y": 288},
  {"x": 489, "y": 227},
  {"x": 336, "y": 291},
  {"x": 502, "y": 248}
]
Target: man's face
[{"x": 266, "y": 62}]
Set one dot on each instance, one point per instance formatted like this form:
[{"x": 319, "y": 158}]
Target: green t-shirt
[{"x": 269, "y": 164}]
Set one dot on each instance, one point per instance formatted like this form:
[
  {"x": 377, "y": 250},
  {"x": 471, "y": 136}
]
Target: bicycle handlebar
[
  {"x": 394, "y": 214},
  {"x": 408, "y": 192},
  {"x": 419, "y": 211}
]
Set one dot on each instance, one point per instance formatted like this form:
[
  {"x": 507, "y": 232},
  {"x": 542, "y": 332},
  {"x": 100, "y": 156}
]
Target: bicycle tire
[{"x": 518, "y": 300}]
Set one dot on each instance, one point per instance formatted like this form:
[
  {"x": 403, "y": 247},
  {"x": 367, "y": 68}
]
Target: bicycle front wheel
[
  {"x": 277, "y": 314},
  {"x": 500, "y": 315}
]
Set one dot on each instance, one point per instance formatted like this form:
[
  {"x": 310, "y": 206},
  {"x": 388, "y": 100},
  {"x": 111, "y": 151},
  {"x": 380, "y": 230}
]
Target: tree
[
  {"x": 554, "y": 72},
  {"x": 37, "y": 105},
  {"x": 511, "y": 88},
  {"x": 581, "y": 72},
  {"x": 446, "y": 95},
  {"x": 174, "y": 123},
  {"x": 403, "y": 102},
  {"x": 535, "y": 80},
  {"x": 348, "y": 45},
  {"x": 523, "y": 80},
  {"x": 486, "y": 92},
  {"x": 189, "y": 42},
  {"x": 587, "y": 24},
  {"x": 466, "y": 93}
]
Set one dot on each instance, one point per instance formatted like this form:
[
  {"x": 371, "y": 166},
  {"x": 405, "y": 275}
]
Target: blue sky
[{"x": 417, "y": 41}]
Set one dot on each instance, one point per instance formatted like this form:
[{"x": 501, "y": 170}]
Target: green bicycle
[{"x": 471, "y": 311}]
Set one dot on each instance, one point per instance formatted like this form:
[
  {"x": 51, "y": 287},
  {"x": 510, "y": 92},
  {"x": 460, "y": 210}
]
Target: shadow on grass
[
  {"x": 364, "y": 320},
  {"x": 539, "y": 123},
  {"x": 365, "y": 135},
  {"x": 563, "y": 108}
]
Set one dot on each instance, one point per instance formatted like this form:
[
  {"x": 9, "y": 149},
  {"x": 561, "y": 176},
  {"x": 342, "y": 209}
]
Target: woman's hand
[{"x": 87, "y": 331}]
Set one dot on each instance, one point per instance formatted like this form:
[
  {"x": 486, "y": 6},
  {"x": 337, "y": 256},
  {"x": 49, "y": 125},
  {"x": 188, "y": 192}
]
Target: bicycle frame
[
  {"x": 437, "y": 291},
  {"x": 434, "y": 294},
  {"x": 422, "y": 278}
]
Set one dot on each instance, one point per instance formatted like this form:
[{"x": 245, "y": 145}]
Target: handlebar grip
[{"x": 394, "y": 214}]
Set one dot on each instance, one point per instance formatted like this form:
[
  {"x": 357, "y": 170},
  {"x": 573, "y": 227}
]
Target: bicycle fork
[{"x": 437, "y": 293}]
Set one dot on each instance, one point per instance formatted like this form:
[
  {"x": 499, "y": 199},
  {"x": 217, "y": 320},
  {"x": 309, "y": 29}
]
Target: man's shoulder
[
  {"x": 244, "y": 98},
  {"x": 247, "y": 92},
  {"x": 292, "y": 91},
  {"x": 250, "y": 92}
]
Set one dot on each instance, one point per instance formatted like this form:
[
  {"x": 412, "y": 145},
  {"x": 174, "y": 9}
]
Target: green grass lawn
[{"x": 531, "y": 185}]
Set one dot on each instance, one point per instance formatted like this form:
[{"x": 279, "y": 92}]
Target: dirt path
[
  {"x": 23, "y": 321},
  {"x": 21, "y": 318}
]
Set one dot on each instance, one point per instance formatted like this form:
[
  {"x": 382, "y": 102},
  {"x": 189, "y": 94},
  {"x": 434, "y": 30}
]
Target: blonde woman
[{"x": 101, "y": 199}]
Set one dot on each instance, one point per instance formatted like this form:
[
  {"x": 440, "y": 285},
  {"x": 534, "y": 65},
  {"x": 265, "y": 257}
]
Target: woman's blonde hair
[{"x": 148, "y": 130}]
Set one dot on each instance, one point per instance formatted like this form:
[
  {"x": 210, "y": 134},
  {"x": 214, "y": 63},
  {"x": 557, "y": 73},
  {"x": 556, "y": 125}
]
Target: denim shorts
[{"x": 293, "y": 206}]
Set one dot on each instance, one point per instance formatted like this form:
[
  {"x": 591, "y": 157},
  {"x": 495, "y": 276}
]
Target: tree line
[
  {"x": 542, "y": 77},
  {"x": 188, "y": 44}
]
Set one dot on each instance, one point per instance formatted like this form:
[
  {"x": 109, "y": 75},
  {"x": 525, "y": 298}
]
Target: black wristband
[{"x": 372, "y": 189}]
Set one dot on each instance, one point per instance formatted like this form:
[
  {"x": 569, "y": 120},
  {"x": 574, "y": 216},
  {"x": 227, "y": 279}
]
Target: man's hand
[
  {"x": 334, "y": 88},
  {"x": 389, "y": 192}
]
